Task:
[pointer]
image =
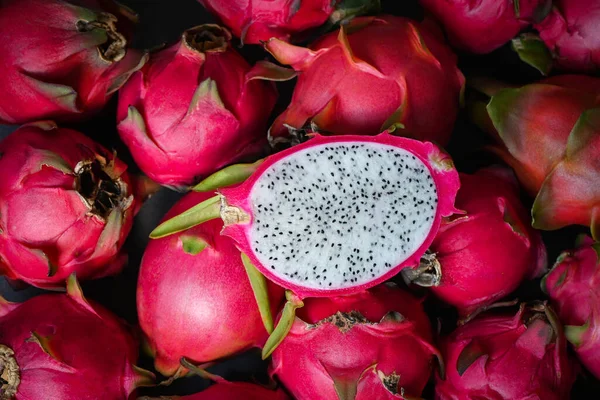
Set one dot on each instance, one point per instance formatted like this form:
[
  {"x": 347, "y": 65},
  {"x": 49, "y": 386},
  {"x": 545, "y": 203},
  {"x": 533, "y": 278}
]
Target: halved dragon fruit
[{"x": 334, "y": 215}]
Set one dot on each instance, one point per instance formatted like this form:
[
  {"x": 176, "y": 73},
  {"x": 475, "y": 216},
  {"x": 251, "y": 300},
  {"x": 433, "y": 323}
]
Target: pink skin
[
  {"x": 509, "y": 357},
  {"x": 86, "y": 350},
  {"x": 255, "y": 20},
  {"x": 45, "y": 223},
  {"x": 573, "y": 288},
  {"x": 439, "y": 164},
  {"x": 315, "y": 359},
  {"x": 549, "y": 134},
  {"x": 50, "y": 70},
  {"x": 482, "y": 26},
  {"x": 202, "y": 306},
  {"x": 377, "y": 72},
  {"x": 224, "y": 390},
  {"x": 485, "y": 254},
  {"x": 189, "y": 113},
  {"x": 571, "y": 33}
]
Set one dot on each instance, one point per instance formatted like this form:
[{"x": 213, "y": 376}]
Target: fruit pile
[{"x": 370, "y": 200}]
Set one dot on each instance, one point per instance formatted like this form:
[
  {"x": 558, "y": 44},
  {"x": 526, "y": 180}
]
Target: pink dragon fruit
[
  {"x": 214, "y": 114},
  {"x": 548, "y": 133},
  {"x": 201, "y": 306},
  {"x": 317, "y": 218},
  {"x": 375, "y": 344},
  {"x": 573, "y": 289},
  {"x": 62, "y": 59},
  {"x": 571, "y": 34},
  {"x": 483, "y": 26},
  {"x": 62, "y": 347},
  {"x": 507, "y": 357},
  {"x": 482, "y": 256},
  {"x": 374, "y": 73},
  {"x": 255, "y": 20},
  {"x": 66, "y": 205}
]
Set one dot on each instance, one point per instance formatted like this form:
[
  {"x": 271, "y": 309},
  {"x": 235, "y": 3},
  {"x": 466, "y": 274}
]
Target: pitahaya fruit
[
  {"x": 507, "y": 357},
  {"x": 572, "y": 285},
  {"x": 483, "y": 26},
  {"x": 62, "y": 59},
  {"x": 194, "y": 108},
  {"x": 66, "y": 206},
  {"x": 571, "y": 34},
  {"x": 375, "y": 344},
  {"x": 334, "y": 215},
  {"x": 62, "y": 347},
  {"x": 482, "y": 256},
  {"x": 549, "y": 134},
  {"x": 372, "y": 74},
  {"x": 194, "y": 298},
  {"x": 255, "y": 21}
]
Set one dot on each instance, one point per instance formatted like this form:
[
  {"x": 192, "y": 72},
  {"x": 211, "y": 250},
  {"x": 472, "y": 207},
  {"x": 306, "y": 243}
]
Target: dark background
[{"x": 162, "y": 22}]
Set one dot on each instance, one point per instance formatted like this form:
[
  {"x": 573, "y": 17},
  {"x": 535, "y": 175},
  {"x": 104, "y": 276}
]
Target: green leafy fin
[
  {"x": 288, "y": 315},
  {"x": 228, "y": 176},
  {"x": 261, "y": 292},
  {"x": 205, "y": 211}
]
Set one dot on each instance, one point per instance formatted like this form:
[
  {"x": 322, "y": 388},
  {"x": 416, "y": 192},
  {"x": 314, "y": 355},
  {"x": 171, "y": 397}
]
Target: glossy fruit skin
[
  {"x": 194, "y": 109},
  {"x": 520, "y": 356},
  {"x": 53, "y": 68},
  {"x": 256, "y": 20},
  {"x": 356, "y": 345},
  {"x": 48, "y": 228},
  {"x": 571, "y": 33},
  {"x": 199, "y": 306},
  {"x": 374, "y": 73},
  {"x": 67, "y": 348},
  {"x": 572, "y": 286},
  {"x": 483, "y": 26},
  {"x": 440, "y": 166},
  {"x": 548, "y": 133},
  {"x": 486, "y": 253}
]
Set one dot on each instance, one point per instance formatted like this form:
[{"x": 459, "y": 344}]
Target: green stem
[{"x": 207, "y": 210}]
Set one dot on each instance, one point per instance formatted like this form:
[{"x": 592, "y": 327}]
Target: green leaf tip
[
  {"x": 205, "y": 211},
  {"x": 228, "y": 176},
  {"x": 261, "y": 292},
  {"x": 575, "y": 333},
  {"x": 533, "y": 51},
  {"x": 288, "y": 315},
  {"x": 192, "y": 245}
]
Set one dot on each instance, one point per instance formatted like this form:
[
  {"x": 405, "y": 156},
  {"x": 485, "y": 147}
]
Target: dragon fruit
[
  {"x": 194, "y": 109},
  {"x": 66, "y": 206},
  {"x": 374, "y": 73},
  {"x": 61, "y": 346},
  {"x": 372, "y": 207},
  {"x": 482, "y": 256},
  {"x": 62, "y": 59},
  {"x": 483, "y": 26},
  {"x": 255, "y": 21},
  {"x": 548, "y": 133},
  {"x": 507, "y": 357},
  {"x": 202, "y": 306},
  {"x": 573, "y": 289},
  {"x": 571, "y": 34},
  {"x": 371, "y": 345}
]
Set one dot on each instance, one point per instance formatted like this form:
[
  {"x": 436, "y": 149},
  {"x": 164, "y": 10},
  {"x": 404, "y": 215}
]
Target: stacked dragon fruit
[{"x": 347, "y": 213}]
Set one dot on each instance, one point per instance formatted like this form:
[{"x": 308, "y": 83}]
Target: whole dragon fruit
[
  {"x": 62, "y": 59},
  {"x": 256, "y": 21},
  {"x": 483, "y": 26},
  {"x": 573, "y": 289},
  {"x": 194, "y": 298},
  {"x": 372, "y": 74},
  {"x": 194, "y": 109},
  {"x": 371, "y": 345},
  {"x": 334, "y": 215},
  {"x": 62, "y": 347},
  {"x": 571, "y": 34},
  {"x": 483, "y": 255},
  {"x": 507, "y": 357},
  {"x": 549, "y": 133},
  {"x": 66, "y": 206}
]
